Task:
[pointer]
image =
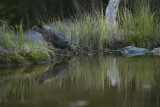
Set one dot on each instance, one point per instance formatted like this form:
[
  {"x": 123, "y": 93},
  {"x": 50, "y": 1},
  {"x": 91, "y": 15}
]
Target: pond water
[{"x": 91, "y": 81}]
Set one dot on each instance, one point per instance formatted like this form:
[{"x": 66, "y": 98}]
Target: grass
[
  {"x": 86, "y": 33},
  {"x": 89, "y": 33},
  {"x": 140, "y": 29},
  {"x": 16, "y": 49}
]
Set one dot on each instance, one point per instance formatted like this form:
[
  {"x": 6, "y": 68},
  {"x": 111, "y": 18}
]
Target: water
[{"x": 93, "y": 81}]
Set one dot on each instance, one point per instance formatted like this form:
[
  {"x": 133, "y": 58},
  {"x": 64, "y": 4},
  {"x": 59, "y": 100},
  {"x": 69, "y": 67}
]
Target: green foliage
[
  {"x": 12, "y": 59},
  {"x": 37, "y": 56},
  {"x": 140, "y": 28},
  {"x": 14, "y": 48},
  {"x": 31, "y": 10},
  {"x": 87, "y": 34}
]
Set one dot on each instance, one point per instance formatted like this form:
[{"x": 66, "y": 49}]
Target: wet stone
[
  {"x": 131, "y": 51},
  {"x": 156, "y": 51}
]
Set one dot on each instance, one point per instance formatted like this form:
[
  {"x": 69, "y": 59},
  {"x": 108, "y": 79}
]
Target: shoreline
[{"x": 62, "y": 57}]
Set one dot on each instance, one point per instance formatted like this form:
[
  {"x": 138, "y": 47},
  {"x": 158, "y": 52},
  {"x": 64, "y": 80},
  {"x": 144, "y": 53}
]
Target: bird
[{"x": 57, "y": 39}]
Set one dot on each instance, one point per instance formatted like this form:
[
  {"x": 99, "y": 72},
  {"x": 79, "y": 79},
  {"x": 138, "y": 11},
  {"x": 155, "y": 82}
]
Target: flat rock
[{"x": 131, "y": 51}]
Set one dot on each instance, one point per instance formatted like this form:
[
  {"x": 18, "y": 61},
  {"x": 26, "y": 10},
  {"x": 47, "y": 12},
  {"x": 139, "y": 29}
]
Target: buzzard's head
[{"x": 38, "y": 28}]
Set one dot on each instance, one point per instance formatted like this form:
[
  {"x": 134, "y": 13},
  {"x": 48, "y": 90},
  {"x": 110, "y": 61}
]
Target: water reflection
[
  {"x": 86, "y": 81},
  {"x": 54, "y": 72},
  {"x": 113, "y": 73}
]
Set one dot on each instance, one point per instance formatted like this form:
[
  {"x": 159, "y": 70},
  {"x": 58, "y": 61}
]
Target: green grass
[
  {"x": 140, "y": 29},
  {"x": 89, "y": 33},
  {"x": 15, "y": 49}
]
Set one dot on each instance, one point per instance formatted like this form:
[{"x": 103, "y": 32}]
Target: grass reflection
[{"x": 92, "y": 74}]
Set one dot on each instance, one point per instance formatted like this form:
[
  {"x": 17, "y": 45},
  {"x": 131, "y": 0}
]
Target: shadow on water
[{"x": 84, "y": 81}]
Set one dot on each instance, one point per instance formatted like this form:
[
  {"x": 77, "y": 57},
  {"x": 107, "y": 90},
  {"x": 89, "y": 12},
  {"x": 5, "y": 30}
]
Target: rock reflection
[
  {"x": 54, "y": 72},
  {"x": 78, "y": 103}
]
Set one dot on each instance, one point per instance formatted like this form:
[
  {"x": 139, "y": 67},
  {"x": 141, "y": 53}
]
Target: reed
[
  {"x": 140, "y": 29},
  {"x": 90, "y": 33}
]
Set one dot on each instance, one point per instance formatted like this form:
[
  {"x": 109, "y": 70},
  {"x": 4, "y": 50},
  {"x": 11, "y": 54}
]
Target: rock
[
  {"x": 156, "y": 51},
  {"x": 131, "y": 51},
  {"x": 4, "y": 51},
  {"x": 31, "y": 35},
  {"x": 57, "y": 39}
]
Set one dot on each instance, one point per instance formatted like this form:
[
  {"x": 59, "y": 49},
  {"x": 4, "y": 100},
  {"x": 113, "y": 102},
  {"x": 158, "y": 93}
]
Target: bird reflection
[{"x": 54, "y": 72}]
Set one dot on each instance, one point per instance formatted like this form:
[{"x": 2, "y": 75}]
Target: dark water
[{"x": 93, "y": 81}]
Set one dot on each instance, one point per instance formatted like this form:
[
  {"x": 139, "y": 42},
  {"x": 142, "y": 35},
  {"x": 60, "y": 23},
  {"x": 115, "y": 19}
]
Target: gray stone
[
  {"x": 131, "y": 51},
  {"x": 3, "y": 51},
  {"x": 31, "y": 35},
  {"x": 156, "y": 51}
]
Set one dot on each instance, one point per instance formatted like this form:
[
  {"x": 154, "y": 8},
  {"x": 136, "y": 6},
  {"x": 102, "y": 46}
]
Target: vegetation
[
  {"x": 90, "y": 34},
  {"x": 95, "y": 78},
  {"x": 87, "y": 34},
  {"x": 14, "y": 48},
  {"x": 31, "y": 10}
]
